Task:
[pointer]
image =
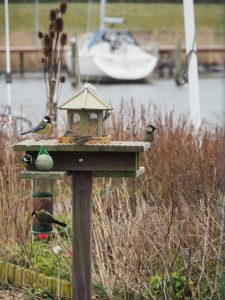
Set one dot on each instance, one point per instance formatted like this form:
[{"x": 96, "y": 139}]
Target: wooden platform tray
[
  {"x": 60, "y": 175},
  {"x": 54, "y": 145},
  {"x": 116, "y": 158}
]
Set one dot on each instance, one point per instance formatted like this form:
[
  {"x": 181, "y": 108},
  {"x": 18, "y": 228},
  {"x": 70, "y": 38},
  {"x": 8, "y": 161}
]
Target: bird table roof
[{"x": 86, "y": 99}]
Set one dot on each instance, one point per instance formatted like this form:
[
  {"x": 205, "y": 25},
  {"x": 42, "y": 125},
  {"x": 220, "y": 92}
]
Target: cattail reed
[
  {"x": 53, "y": 44},
  {"x": 52, "y": 34},
  {"x": 63, "y": 7},
  {"x": 46, "y": 52},
  {"x": 40, "y": 35},
  {"x": 52, "y": 15},
  {"x": 59, "y": 24},
  {"x": 51, "y": 26},
  {"x": 47, "y": 41},
  {"x": 62, "y": 79},
  {"x": 43, "y": 60},
  {"x": 63, "y": 39},
  {"x": 53, "y": 81}
]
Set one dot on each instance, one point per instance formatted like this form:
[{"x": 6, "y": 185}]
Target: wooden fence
[
  {"x": 20, "y": 277},
  {"x": 21, "y": 52}
]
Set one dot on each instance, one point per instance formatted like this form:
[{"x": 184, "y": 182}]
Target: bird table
[{"x": 83, "y": 162}]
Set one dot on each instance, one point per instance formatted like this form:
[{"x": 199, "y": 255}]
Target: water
[{"x": 29, "y": 96}]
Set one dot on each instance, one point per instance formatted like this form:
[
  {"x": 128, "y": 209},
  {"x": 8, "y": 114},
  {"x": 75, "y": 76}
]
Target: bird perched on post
[
  {"x": 43, "y": 128},
  {"x": 45, "y": 217},
  {"x": 26, "y": 160},
  {"x": 149, "y": 133}
]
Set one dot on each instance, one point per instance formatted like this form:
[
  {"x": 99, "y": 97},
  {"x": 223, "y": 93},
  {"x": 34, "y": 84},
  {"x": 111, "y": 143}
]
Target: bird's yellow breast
[{"x": 47, "y": 130}]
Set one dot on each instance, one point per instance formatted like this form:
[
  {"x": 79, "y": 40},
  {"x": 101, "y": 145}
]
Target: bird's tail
[
  {"x": 59, "y": 223},
  {"x": 25, "y": 132}
]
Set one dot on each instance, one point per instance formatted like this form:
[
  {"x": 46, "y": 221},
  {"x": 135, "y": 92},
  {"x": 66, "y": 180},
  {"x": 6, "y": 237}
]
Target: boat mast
[
  {"x": 102, "y": 14},
  {"x": 193, "y": 82},
  {"x": 8, "y": 69}
]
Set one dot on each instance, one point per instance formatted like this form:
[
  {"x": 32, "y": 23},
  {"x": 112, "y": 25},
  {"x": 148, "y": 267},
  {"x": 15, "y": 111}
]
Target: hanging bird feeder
[
  {"x": 44, "y": 161},
  {"x": 42, "y": 200}
]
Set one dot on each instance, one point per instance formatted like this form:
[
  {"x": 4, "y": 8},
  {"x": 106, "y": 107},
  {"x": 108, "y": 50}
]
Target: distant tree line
[{"x": 118, "y": 1}]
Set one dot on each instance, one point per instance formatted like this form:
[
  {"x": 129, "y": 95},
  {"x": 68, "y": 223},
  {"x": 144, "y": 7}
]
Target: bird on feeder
[
  {"x": 106, "y": 115},
  {"x": 149, "y": 133},
  {"x": 26, "y": 160},
  {"x": 45, "y": 217},
  {"x": 43, "y": 128},
  {"x": 77, "y": 137}
]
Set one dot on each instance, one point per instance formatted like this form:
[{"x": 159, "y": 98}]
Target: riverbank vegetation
[{"x": 154, "y": 237}]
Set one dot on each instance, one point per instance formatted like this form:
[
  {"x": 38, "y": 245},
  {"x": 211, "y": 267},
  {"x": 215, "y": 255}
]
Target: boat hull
[{"x": 124, "y": 62}]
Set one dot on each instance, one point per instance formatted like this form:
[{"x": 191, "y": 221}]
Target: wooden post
[
  {"x": 75, "y": 64},
  {"x": 21, "y": 62},
  {"x": 82, "y": 236}
]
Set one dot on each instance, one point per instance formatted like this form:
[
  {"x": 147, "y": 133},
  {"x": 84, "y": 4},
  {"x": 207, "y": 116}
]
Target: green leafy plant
[
  {"x": 48, "y": 263},
  {"x": 40, "y": 293},
  {"x": 100, "y": 291},
  {"x": 175, "y": 286}
]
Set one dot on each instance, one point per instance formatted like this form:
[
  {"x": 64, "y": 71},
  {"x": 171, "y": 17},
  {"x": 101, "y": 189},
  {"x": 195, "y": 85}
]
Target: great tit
[
  {"x": 43, "y": 128},
  {"x": 45, "y": 217},
  {"x": 149, "y": 133},
  {"x": 26, "y": 160}
]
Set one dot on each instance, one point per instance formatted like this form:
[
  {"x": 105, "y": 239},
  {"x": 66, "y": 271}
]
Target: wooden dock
[{"x": 21, "y": 52}]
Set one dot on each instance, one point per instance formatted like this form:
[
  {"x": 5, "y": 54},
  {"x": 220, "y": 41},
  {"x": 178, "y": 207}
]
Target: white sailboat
[{"x": 112, "y": 54}]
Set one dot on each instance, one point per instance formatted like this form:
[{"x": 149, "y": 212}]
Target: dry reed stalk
[{"x": 173, "y": 225}]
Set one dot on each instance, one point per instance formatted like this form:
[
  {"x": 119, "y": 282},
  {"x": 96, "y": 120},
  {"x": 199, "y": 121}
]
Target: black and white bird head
[
  {"x": 34, "y": 214},
  {"x": 47, "y": 119},
  {"x": 27, "y": 159},
  {"x": 150, "y": 128}
]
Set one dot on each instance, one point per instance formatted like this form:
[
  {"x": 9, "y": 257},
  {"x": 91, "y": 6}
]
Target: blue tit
[
  {"x": 43, "y": 128},
  {"x": 26, "y": 160},
  {"x": 149, "y": 133},
  {"x": 45, "y": 217}
]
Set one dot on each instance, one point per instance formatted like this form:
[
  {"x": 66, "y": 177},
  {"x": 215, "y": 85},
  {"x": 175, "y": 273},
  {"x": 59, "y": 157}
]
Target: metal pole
[
  {"x": 189, "y": 23},
  {"x": 102, "y": 13},
  {"x": 8, "y": 69}
]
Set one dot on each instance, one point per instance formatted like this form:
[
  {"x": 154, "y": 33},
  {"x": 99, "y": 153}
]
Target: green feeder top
[{"x": 86, "y": 99}]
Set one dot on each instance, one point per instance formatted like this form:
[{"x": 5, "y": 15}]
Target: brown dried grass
[
  {"x": 170, "y": 221},
  {"x": 165, "y": 221}
]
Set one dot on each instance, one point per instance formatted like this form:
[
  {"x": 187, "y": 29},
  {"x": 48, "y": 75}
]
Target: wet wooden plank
[
  {"x": 124, "y": 174},
  {"x": 54, "y": 145},
  {"x": 48, "y": 175},
  {"x": 90, "y": 161}
]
